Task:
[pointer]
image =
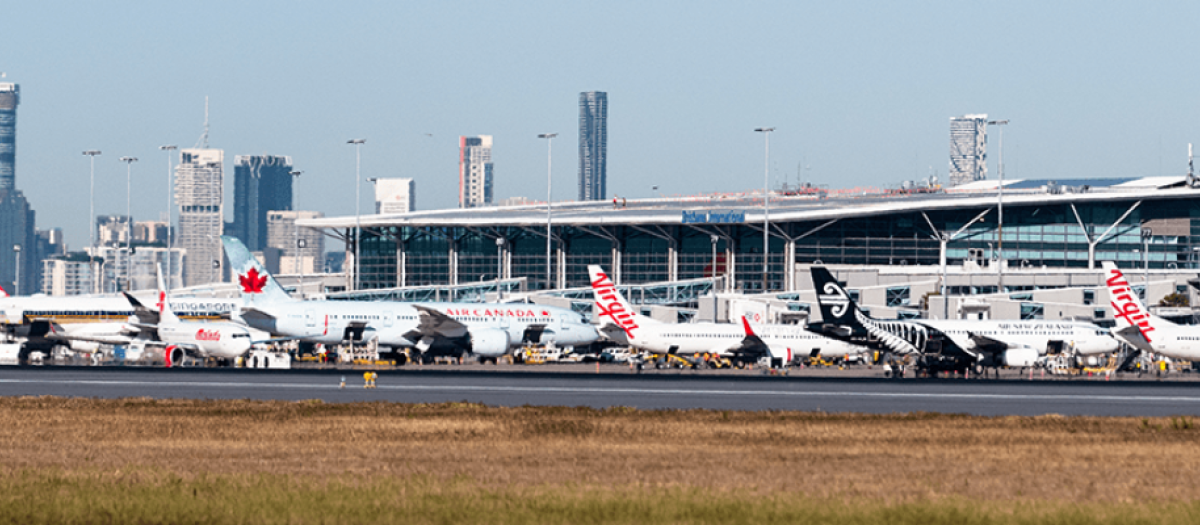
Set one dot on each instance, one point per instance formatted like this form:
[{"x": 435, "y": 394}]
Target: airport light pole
[
  {"x": 301, "y": 244},
  {"x": 1146, "y": 233},
  {"x": 91, "y": 153},
  {"x": 128, "y": 222},
  {"x": 766, "y": 201},
  {"x": 1000, "y": 208},
  {"x": 169, "y": 148},
  {"x": 715, "y": 239},
  {"x": 295, "y": 229},
  {"x": 499, "y": 266},
  {"x": 357, "y": 212},
  {"x": 17, "y": 281},
  {"x": 549, "y": 181}
]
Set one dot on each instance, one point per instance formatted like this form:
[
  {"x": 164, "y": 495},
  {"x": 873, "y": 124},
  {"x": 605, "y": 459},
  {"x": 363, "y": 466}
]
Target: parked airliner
[
  {"x": 485, "y": 330},
  {"x": 1143, "y": 330},
  {"x": 954, "y": 345},
  {"x": 739, "y": 342}
]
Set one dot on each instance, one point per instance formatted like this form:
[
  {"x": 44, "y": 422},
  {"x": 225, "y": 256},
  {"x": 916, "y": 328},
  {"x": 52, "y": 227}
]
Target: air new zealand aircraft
[{"x": 953, "y": 345}]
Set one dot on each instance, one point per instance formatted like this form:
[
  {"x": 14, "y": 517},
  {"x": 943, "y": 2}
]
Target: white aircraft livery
[
  {"x": 486, "y": 330},
  {"x": 195, "y": 339},
  {"x": 954, "y": 345},
  {"x": 740, "y": 343},
  {"x": 1143, "y": 330}
]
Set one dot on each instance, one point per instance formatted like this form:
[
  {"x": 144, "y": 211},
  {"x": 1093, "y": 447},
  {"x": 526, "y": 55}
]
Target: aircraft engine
[
  {"x": 489, "y": 342},
  {"x": 1020, "y": 357},
  {"x": 84, "y": 347},
  {"x": 174, "y": 356}
]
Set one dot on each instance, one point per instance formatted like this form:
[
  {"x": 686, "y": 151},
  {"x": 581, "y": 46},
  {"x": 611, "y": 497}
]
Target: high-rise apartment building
[
  {"x": 48, "y": 243},
  {"x": 395, "y": 195},
  {"x": 261, "y": 184},
  {"x": 968, "y": 149},
  {"x": 474, "y": 171},
  {"x": 302, "y": 250},
  {"x": 593, "y": 145},
  {"x": 147, "y": 261},
  {"x": 68, "y": 275},
  {"x": 112, "y": 230},
  {"x": 151, "y": 232},
  {"x": 199, "y": 183}
]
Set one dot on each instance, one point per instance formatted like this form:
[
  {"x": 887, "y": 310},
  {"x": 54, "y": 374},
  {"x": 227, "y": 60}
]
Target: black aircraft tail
[{"x": 837, "y": 308}]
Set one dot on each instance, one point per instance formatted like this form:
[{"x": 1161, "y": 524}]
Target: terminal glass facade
[{"x": 1048, "y": 235}]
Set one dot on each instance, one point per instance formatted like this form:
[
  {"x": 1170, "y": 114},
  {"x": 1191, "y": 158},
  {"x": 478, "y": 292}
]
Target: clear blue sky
[{"x": 861, "y": 92}]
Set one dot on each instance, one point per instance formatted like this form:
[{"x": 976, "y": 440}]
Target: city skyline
[{"x": 693, "y": 83}]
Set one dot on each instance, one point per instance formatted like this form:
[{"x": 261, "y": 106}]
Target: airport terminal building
[{"x": 1046, "y": 224}]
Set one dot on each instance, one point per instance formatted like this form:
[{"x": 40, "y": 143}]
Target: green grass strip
[{"x": 157, "y": 497}]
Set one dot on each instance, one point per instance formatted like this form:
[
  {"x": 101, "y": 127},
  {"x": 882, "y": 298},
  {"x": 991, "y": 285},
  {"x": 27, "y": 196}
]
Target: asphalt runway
[{"x": 869, "y": 395}]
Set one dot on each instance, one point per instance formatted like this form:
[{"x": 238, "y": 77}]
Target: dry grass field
[{"x": 142, "y": 460}]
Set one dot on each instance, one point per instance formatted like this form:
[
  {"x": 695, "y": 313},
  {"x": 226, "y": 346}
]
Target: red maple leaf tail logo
[{"x": 252, "y": 282}]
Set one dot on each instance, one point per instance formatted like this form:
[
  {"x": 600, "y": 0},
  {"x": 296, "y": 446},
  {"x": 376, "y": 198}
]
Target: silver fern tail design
[{"x": 884, "y": 332}]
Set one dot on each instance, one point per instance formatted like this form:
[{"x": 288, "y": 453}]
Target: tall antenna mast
[{"x": 203, "y": 142}]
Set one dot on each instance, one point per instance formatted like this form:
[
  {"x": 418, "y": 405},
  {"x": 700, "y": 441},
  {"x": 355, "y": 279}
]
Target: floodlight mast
[
  {"x": 1000, "y": 208},
  {"x": 357, "y": 212},
  {"x": 169, "y": 148},
  {"x": 766, "y": 202},
  {"x": 549, "y": 183},
  {"x": 128, "y": 221},
  {"x": 91, "y": 153}
]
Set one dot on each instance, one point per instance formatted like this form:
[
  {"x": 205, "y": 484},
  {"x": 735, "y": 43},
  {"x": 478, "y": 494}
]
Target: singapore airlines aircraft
[
  {"x": 486, "y": 330},
  {"x": 1143, "y": 330},
  {"x": 954, "y": 345},
  {"x": 741, "y": 343}
]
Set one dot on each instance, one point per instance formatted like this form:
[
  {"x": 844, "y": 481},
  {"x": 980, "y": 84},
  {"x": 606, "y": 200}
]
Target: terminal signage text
[{"x": 714, "y": 217}]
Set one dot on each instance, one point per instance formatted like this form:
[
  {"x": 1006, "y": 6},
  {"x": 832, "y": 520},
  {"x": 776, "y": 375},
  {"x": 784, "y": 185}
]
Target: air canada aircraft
[
  {"x": 953, "y": 345},
  {"x": 738, "y": 342},
  {"x": 1143, "y": 330},
  {"x": 485, "y": 330}
]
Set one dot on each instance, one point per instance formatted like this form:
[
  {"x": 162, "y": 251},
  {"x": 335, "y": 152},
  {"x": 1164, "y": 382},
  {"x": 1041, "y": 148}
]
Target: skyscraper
[
  {"x": 968, "y": 149},
  {"x": 474, "y": 171},
  {"x": 199, "y": 183},
  {"x": 10, "y": 96},
  {"x": 593, "y": 145},
  {"x": 16, "y": 216},
  {"x": 261, "y": 183}
]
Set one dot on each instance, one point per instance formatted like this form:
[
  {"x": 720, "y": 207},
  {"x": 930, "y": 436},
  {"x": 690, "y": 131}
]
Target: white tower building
[
  {"x": 474, "y": 171},
  {"x": 968, "y": 149},
  {"x": 199, "y": 193}
]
